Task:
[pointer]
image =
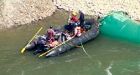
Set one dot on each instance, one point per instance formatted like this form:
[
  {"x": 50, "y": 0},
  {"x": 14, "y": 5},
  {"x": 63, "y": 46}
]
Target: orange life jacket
[{"x": 53, "y": 44}]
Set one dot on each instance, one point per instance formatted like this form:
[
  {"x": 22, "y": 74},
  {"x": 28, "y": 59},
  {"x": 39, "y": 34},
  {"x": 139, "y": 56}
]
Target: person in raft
[
  {"x": 73, "y": 22},
  {"x": 50, "y": 34},
  {"x": 65, "y": 36},
  {"x": 81, "y": 18},
  {"x": 40, "y": 45},
  {"x": 54, "y": 43},
  {"x": 77, "y": 31},
  {"x": 74, "y": 19}
]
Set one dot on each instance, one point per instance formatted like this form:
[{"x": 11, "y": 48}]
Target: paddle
[
  {"x": 69, "y": 16},
  {"x": 54, "y": 48},
  {"x": 23, "y": 49}
]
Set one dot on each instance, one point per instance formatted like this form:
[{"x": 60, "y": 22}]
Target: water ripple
[{"x": 108, "y": 69}]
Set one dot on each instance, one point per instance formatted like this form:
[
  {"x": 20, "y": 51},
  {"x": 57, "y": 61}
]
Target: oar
[
  {"x": 54, "y": 48},
  {"x": 23, "y": 49},
  {"x": 69, "y": 16}
]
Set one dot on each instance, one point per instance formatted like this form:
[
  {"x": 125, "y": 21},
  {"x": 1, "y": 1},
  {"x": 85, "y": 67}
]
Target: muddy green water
[{"x": 107, "y": 56}]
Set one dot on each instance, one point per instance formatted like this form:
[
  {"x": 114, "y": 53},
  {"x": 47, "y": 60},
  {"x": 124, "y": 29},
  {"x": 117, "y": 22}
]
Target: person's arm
[
  {"x": 75, "y": 32},
  {"x": 53, "y": 32}
]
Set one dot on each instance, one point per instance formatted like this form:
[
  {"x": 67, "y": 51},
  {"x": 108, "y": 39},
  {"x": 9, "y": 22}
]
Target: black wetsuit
[
  {"x": 40, "y": 46},
  {"x": 82, "y": 18}
]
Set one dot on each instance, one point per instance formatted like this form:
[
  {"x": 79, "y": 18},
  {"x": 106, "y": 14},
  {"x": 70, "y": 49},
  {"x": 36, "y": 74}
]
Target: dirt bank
[
  {"x": 101, "y": 7},
  {"x": 17, "y": 12}
]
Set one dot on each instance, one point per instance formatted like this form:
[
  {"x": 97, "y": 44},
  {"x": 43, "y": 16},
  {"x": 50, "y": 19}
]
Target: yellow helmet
[{"x": 74, "y": 13}]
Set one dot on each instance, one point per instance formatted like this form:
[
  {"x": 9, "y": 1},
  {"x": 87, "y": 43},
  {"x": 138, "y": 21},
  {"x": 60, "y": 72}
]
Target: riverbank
[
  {"x": 101, "y": 7},
  {"x": 20, "y": 12},
  {"x": 104, "y": 52},
  {"x": 58, "y": 18},
  {"x": 15, "y": 13}
]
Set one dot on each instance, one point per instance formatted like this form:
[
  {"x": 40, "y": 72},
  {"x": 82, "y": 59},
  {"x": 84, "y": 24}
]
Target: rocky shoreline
[
  {"x": 101, "y": 7},
  {"x": 19, "y": 12}
]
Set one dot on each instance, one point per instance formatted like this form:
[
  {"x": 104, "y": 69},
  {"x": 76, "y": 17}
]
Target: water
[{"x": 106, "y": 56}]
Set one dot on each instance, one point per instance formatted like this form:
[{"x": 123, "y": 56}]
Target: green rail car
[{"x": 120, "y": 25}]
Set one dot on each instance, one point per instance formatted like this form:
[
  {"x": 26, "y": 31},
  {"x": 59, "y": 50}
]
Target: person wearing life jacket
[
  {"x": 50, "y": 34},
  {"x": 81, "y": 18},
  {"x": 74, "y": 17},
  {"x": 77, "y": 31},
  {"x": 64, "y": 36},
  {"x": 53, "y": 44},
  {"x": 73, "y": 21},
  {"x": 40, "y": 44}
]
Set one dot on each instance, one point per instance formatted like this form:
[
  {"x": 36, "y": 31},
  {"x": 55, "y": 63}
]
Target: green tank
[{"x": 119, "y": 25}]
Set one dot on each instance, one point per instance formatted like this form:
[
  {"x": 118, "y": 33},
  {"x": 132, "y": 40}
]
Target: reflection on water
[{"x": 107, "y": 56}]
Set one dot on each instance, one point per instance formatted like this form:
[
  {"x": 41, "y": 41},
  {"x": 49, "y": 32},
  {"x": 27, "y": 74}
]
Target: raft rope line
[
  {"x": 23, "y": 49},
  {"x": 54, "y": 48},
  {"x": 84, "y": 50},
  {"x": 81, "y": 47}
]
